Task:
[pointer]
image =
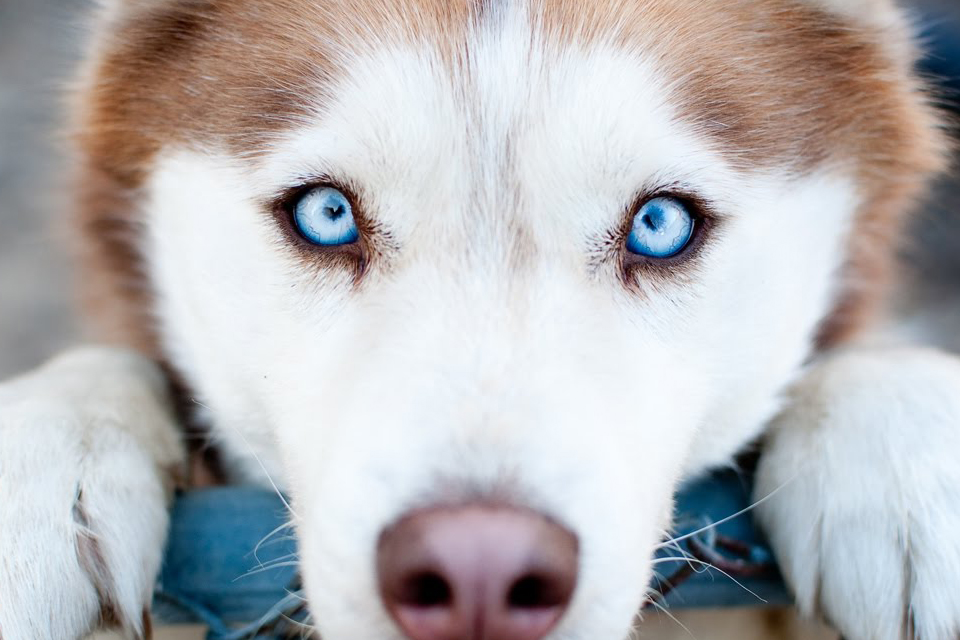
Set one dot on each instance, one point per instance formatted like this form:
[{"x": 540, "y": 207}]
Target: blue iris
[
  {"x": 323, "y": 216},
  {"x": 661, "y": 228}
]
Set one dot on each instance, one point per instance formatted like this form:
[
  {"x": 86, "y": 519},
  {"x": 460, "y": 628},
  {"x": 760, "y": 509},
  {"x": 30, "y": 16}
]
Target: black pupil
[
  {"x": 333, "y": 213},
  {"x": 651, "y": 222}
]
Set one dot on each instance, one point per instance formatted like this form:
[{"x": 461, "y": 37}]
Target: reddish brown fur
[
  {"x": 91, "y": 559},
  {"x": 776, "y": 84}
]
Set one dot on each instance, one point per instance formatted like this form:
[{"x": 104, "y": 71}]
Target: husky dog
[{"x": 478, "y": 283}]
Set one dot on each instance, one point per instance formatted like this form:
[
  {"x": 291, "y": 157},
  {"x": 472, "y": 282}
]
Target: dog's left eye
[
  {"x": 661, "y": 228},
  {"x": 324, "y": 216}
]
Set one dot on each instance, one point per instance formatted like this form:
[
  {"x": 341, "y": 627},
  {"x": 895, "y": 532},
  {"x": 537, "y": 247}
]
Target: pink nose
[{"x": 477, "y": 573}]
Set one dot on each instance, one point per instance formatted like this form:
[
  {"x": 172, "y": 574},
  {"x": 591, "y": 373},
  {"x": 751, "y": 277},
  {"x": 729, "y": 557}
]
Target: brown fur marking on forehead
[
  {"x": 222, "y": 73},
  {"x": 768, "y": 80},
  {"x": 782, "y": 84},
  {"x": 773, "y": 84}
]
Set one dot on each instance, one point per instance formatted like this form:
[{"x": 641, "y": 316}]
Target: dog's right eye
[{"x": 324, "y": 217}]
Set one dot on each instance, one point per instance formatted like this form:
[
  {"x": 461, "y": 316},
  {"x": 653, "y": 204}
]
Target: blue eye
[
  {"x": 661, "y": 228},
  {"x": 324, "y": 217}
]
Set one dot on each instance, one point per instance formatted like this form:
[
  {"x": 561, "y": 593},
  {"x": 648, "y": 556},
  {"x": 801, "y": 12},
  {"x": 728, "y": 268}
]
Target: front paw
[
  {"x": 86, "y": 448},
  {"x": 864, "y": 468}
]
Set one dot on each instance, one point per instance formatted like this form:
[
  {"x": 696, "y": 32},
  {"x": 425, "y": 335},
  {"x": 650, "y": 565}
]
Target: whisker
[
  {"x": 674, "y": 545},
  {"x": 270, "y": 620},
  {"x": 263, "y": 540},
  {"x": 663, "y": 582},
  {"x": 662, "y": 609},
  {"x": 712, "y": 525},
  {"x": 269, "y": 567},
  {"x": 256, "y": 457},
  {"x": 687, "y": 559},
  {"x": 707, "y": 566},
  {"x": 304, "y": 627},
  {"x": 297, "y": 595}
]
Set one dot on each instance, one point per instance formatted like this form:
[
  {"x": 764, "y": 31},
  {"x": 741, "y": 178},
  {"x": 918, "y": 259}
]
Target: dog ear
[
  {"x": 887, "y": 18},
  {"x": 874, "y": 12},
  {"x": 112, "y": 8},
  {"x": 104, "y": 11}
]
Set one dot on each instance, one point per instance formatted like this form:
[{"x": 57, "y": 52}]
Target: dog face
[{"x": 496, "y": 317}]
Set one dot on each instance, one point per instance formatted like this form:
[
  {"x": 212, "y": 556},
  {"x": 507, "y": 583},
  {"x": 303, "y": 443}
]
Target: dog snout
[{"x": 477, "y": 572}]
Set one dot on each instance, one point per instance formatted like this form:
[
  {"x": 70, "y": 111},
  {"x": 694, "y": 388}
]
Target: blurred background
[{"x": 39, "y": 45}]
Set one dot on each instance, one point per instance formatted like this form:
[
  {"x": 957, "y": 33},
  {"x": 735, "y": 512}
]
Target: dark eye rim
[
  {"x": 704, "y": 222},
  {"x": 283, "y": 207}
]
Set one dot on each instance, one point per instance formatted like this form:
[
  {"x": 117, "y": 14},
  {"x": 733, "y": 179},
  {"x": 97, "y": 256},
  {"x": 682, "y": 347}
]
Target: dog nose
[{"x": 477, "y": 573}]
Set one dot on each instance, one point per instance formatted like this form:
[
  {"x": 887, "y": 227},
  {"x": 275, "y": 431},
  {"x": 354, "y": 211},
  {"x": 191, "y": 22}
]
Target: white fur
[
  {"x": 91, "y": 430},
  {"x": 866, "y": 464},
  {"x": 459, "y": 367}
]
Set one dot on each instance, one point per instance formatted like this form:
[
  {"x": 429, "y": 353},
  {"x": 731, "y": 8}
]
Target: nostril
[
  {"x": 476, "y": 572},
  {"x": 537, "y": 592},
  {"x": 425, "y": 589}
]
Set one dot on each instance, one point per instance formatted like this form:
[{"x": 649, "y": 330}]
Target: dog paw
[
  {"x": 864, "y": 470},
  {"x": 87, "y": 451}
]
